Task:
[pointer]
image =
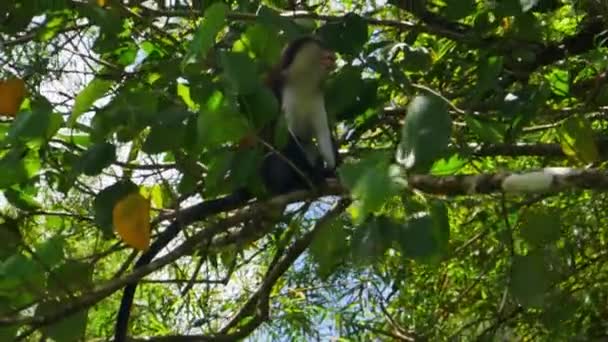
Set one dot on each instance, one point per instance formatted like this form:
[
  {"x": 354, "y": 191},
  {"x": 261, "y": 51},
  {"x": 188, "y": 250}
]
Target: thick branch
[{"x": 542, "y": 181}]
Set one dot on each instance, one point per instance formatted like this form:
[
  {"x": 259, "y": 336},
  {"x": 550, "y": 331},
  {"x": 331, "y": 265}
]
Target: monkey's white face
[
  {"x": 311, "y": 64},
  {"x": 303, "y": 102}
]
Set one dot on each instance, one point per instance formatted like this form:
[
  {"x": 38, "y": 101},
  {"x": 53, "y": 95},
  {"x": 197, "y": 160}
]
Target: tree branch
[
  {"x": 260, "y": 297},
  {"x": 281, "y": 267},
  {"x": 579, "y": 43},
  {"x": 542, "y": 181},
  {"x": 111, "y": 286}
]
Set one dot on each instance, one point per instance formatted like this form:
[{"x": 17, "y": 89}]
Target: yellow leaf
[
  {"x": 101, "y": 3},
  {"x": 12, "y": 92},
  {"x": 131, "y": 219}
]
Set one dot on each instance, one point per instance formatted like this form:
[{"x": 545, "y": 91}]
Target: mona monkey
[{"x": 296, "y": 81}]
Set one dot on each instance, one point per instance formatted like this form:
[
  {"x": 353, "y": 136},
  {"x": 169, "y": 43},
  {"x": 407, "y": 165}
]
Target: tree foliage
[{"x": 469, "y": 204}]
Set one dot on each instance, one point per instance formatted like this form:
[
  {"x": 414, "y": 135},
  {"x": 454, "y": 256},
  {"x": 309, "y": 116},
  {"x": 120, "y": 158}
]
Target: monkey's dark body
[{"x": 280, "y": 176}]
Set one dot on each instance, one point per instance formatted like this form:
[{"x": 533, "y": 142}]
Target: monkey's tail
[{"x": 184, "y": 218}]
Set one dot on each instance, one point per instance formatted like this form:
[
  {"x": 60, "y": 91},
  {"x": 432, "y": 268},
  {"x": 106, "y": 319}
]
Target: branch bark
[{"x": 540, "y": 181}]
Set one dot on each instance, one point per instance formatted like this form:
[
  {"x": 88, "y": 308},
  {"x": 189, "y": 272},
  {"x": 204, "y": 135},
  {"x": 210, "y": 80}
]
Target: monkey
[{"x": 296, "y": 81}]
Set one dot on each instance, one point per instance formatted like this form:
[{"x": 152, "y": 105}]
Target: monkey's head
[{"x": 307, "y": 58}]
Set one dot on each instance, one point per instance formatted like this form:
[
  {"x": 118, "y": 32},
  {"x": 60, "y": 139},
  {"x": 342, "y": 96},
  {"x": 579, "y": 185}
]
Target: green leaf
[
  {"x": 365, "y": 103},
  {"x": 601, "y": 97},
  {"x": 507, "y": 8},
  {"x": 218, "y": 166},
  {"x": 560, "y": 82},
  {"x": 128, "y": 54},
  {"x": 416, "y": 59},
  {"x": 105, "y": 200},
  {"x": 21, "y": 279},
  {"x": 372, "y": 239},
  {"x": 370, "y": 182},
  {"x": 343, "y": 90},
  {"x": 18, "y": 166},
  {"x": 96, "y": 158},
  {"x": 449, "y": 166},
  {"x": 8, "y": 333},
  {"x": 73, "y": 276},
  {"x": 529, "y": 280},
  {"x": 201, "y": 87},
  {"x": 4, "y": 129},
  {"x": 540, "y": 227},
  {"x": 577, "y": 139},
  {"x": 20, "y": 16},
  {"x": 34, "y": 127},
  {"x": 458, "y": 9},
  {"x": 273, "y": 20},
  {"x": 171, "y": 116},
  {"x": 441, "y": 224},
  {"x": 50, "y": 252},
  {"x": 164, "y": 138},
  {"x": 21, "y": 200},
  {"x": 281, "y": 133},
  {"x": 347, "y": 35},
  {"x": 487, "y": 74},
  {"x": 109, "y": 20},
  {"x": 487, "y": 131},
  {"x": 243, "y": 164},
  {"x": 217, "y": 124},
  {"x": 263, "y": 43},
  {"x": 85, "y": 99},
  {"x": 229, "y": 255},
  {"x": 416, "y": 237},
  {"x": 10, "y": 238},
  {"x": 76, "y": 139},
  {"x": 204, "y": 38},
  {"x": 187, "y": 183},
  {"x": 129, "y": 112},
  {"x": 138, "y": 106},
  {"x": 426, "y": 133},
  {"x": 527, "y": 27},
  {"x": 68, "y": 328},
  {"x": 262, "y": 106},
  {"x": 240, "y": 72},
  {"x": 183, "y": 91},
  {"x": 329, "y": 248},
  {"x": 51, "y": 28},
  {"x": 425, "y": 235},
  {"x": 159, "y": 195}
]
